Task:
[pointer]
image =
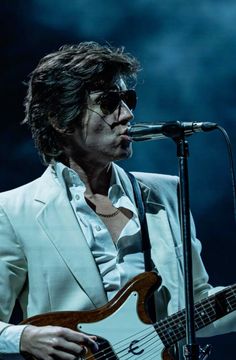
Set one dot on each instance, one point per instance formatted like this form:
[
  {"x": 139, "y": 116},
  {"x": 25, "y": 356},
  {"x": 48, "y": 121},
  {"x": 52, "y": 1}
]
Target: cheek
[
  {"x": 100, "y": 128},
  {"x": 91, "y": 129},
  {"x": 94, "y": 124},
  {"x": 98, "y": 137}
]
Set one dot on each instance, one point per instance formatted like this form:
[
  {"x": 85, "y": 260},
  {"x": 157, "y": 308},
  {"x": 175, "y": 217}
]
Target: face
[{"x": 101, "y": 138}]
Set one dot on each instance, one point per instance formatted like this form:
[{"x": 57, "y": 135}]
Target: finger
[
  {"x": 81, "y": 338},
  {"x": 69, "y": 347},
  {"x": 62, "y": 355},
  {"x": 84, "y": 351}
]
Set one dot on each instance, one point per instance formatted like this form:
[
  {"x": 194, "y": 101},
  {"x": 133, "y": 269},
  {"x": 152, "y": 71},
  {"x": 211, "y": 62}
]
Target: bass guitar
[{"x": 124, "y": 329}]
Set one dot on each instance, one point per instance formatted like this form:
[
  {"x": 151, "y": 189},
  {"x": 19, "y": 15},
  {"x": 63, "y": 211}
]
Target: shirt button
[
  {"x": 77, "y": 197},
  {"x": 97, "y": 228}
]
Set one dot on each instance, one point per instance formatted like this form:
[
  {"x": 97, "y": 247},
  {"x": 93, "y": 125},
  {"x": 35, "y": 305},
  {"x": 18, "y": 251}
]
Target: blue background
[{"x": 188, "y": 54}]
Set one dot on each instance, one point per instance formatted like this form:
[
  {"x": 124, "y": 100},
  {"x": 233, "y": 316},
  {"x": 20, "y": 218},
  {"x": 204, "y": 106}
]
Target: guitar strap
[
  {"x": 146, "y": 246},
  {"x": 149, "y": 266},
  {"x": 153, "y": 303}
]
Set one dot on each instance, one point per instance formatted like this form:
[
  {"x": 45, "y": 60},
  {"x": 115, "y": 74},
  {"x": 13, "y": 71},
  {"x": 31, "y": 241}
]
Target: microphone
[{"x": 164, "y": 130}]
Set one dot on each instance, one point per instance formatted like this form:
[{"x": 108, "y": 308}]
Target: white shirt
[{"x": 117, "y": 263}]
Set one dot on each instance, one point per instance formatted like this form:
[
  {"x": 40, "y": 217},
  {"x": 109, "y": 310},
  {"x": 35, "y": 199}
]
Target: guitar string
[
  {"x": 112, "y": 354},
  {"x": 184, "y": 314},
  {"x": 127, "y": 340},
  {"x": 144, "y": 338},
  {"x": 140, "y": 342},
  {"x": 181, "y": 314},
  {"x": 173, "y": 321},
  {"x": 131, "y": 355},
  {"x": 158, "y": 346},
  {"x": 128, "y": 343},
  {"x": 122, "y": 341},
  {"x": 147, "y": 353},
  {"x": 231, "y": 304},
  {"x": 157, "y": 343},
  {"x": 179, "y": 317},
  {"x": 212, "y": 312},
  {"x": 180, "y": 329},
  {"x": 199, "y": 315},
  {"x": 149, "y": 327},
  {"x": 151, "y": 350}
]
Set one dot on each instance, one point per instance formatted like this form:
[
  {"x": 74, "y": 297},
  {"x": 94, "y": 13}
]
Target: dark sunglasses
[{"x": 109, "y": 101}]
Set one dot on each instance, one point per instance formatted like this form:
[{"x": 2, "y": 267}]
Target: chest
[
  {"x": 115, "y": 219},
  {"x": 116, "y": 224}
]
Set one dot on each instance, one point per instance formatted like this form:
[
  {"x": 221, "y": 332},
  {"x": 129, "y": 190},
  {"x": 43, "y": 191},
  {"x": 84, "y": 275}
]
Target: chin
[{"x": 125, "y": 154}]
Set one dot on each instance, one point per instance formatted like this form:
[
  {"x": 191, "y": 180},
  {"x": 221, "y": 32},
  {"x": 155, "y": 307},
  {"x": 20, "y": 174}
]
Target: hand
[{"x": 54, "y": 342}]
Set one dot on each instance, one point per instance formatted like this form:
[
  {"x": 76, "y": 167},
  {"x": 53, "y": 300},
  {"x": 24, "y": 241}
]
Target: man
[{"x": 71, "y": 239}]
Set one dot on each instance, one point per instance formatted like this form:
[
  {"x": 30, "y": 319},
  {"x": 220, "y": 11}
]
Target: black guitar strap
[
  {"x": 149, "y": 266},
  {"x": 145, "y": 237},
  {"x": 143, "y": 222}
]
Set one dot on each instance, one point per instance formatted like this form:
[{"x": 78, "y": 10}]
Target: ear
[{"x": 52, "y": 117}]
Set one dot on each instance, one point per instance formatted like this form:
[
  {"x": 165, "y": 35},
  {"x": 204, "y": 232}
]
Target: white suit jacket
[{"x": 45, "y": 260}]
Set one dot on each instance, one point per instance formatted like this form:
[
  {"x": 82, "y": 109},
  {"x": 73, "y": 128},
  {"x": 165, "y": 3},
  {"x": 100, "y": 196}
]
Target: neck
[{"x": 96, "y": 178}]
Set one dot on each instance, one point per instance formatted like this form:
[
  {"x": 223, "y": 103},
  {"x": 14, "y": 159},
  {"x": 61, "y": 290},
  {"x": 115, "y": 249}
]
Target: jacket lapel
[{"x": 63, "y": 230}]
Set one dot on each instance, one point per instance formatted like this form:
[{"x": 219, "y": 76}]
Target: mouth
[{"x": 124, "y": 136}]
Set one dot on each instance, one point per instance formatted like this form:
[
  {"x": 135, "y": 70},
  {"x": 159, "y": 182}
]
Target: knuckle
[
  {"x": 83, "y": 338},
  {"x": 55, "y": 342},
  {"x": 59, "y": 331}
]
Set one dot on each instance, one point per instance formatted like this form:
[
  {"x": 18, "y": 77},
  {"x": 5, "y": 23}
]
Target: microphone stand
[
  {"x": 178, "y": 132},
  {"x": 191, "y": 349}
]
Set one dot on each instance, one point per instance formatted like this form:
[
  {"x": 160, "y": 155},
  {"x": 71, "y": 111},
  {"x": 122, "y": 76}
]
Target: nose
[{"x": 124, "y": 113}]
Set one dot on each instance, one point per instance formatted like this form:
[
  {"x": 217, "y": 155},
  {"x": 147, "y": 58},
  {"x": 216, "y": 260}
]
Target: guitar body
[
  {"x": 122, "y": 326},
  {"x": 124, "y": 329}
]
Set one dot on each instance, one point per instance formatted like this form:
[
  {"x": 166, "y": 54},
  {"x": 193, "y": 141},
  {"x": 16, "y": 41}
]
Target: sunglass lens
[
  {"x": 130, "y": 98},
  {"x": 110, "y": 100}
]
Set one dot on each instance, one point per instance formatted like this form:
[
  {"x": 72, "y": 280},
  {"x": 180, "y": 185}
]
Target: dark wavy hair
[{"x": 59, "y": 86}]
